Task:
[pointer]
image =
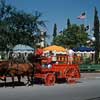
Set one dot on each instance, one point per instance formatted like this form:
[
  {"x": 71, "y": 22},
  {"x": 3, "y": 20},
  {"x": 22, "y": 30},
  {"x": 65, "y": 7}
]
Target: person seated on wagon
[
  {"x": 51, "y": 59},
  {"x": 39, "y": 51},
  {"x": 38, "y": 54}
]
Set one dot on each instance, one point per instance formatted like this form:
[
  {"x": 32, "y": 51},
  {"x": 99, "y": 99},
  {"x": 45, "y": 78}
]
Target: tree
[
  {"x": 4, "y": 35},
  {"x": 37, "y": 22},
  {"x": 68, "y": 23},
  {"x": 18, "y": 27},
  {"x": 72, "y": 37},
  {"x": 55, "y": 30},
  {"x": 25, "y": 25},
  {"x": 96, "y": 35},
  {"x": 54, "y": 33}
]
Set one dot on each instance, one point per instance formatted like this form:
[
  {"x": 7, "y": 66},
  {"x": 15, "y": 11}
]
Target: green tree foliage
[
  {"x": 73, "y": 36},
  {"x": 54, "y": 33},
  {"x": 96, "y": 34},
  {"x": 18, "y": 27},
  {"x": 68, "y": 23},
  {"x": 55, "y": 30},
  {"x": 4, "y": 35}
]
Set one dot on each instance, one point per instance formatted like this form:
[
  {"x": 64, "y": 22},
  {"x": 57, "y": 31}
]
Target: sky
[{"x": 58, "y": 11}]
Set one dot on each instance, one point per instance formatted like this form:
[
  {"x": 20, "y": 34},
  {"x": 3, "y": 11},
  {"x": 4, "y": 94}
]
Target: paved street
[{"x": 86, "y": 89}]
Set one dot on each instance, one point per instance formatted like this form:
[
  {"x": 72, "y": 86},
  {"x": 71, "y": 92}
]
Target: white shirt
[{"x": 70, "y": 52}]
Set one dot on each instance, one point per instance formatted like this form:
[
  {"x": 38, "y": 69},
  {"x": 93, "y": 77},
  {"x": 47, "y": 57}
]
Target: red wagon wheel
[
  {"x": 72, "y": 74},
  {"x": 49, "y": 79}
]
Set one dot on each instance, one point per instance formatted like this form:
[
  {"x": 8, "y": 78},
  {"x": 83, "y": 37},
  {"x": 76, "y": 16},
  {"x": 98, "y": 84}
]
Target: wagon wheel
[
  {"x": 72, "y": 74},
  {"x": 49, "y": 79}
]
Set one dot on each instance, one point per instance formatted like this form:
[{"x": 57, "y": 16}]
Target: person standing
[{"x": 70, "y": 56}]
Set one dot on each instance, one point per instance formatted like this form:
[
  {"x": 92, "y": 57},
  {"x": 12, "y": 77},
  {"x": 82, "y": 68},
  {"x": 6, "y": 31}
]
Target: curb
[{"x": 87, "y": 78}]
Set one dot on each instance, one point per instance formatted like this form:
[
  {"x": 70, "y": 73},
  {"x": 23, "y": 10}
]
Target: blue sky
[{"x": 58, "y": 11}]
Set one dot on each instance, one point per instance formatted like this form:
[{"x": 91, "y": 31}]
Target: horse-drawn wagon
[
  {"x": 43, "y": 68},
  {"x": 61, "y": 69}
]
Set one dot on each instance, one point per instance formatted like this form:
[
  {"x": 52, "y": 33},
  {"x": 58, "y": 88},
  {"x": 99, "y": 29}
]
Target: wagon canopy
[
  {"x": 23, "y": 48},
  {"x": 55, "y": 48}
]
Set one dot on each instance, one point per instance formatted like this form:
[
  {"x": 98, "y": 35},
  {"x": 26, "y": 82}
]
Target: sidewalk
[{"x": 90, "y": 75}]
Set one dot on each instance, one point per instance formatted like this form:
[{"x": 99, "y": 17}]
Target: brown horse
[
  {"x": 36, "y": 61},
  {"x": 8, "y": 68},
  {"x": 15, "y": 69},
  {"x": 20, "y": 70},
  {"x": 3, "y": 68}
]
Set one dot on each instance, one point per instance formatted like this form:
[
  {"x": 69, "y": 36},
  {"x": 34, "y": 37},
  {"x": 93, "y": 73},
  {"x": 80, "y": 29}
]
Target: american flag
[{"x": 82, "y": 16}]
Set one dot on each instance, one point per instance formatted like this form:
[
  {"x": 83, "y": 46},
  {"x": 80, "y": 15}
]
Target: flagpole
[{"x": 83, "y": 22}]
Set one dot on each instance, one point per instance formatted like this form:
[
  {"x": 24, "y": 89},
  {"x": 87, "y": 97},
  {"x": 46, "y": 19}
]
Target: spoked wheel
[
  {"x": 49, "y": 79},
  {"x": 72, "y": 75}
]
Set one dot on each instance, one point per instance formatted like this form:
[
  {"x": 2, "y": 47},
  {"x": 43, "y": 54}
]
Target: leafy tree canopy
[
  {"x": 18, "y": 27},
  {"x": 73, "y": 36}
]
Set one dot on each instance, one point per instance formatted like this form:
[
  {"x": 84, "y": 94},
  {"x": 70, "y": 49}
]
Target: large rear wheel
[{"x": 72, "y": 75}]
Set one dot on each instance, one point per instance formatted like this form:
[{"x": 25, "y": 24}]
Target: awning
[
  {"x": 23, "y": 48},
  {"x": 83, "y": 49},
  {"x": 54, "y": 48}
]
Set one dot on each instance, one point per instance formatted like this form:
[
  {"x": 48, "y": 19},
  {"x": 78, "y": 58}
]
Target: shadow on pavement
[
  {"x": 10, "y": 84},
  {"x": 36, "y": 82}
]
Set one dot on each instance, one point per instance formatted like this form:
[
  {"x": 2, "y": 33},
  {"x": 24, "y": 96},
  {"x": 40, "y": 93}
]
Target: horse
[
  {"x": 36, "y": 61},
  {"x": 3, "y": 68},
  {"x": 12, "y": 69},
  {"x": 20, "y": 70}
]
